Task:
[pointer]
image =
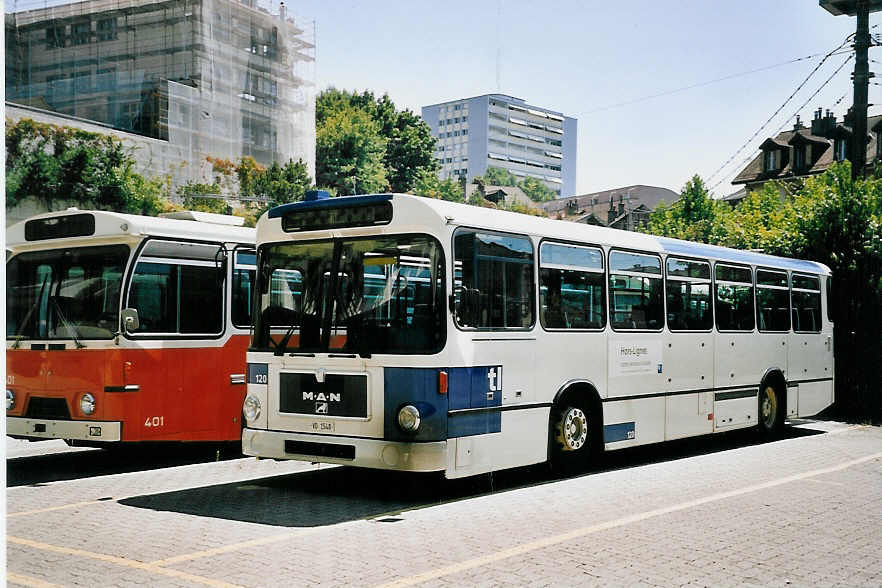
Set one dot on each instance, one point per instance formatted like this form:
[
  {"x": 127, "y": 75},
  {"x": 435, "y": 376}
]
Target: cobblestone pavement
[{"x": 805, "y": 510}]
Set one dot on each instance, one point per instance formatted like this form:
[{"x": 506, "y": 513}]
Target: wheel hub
[
  {"x": 769, "y": 406},
  {"x": 573, "y": 429}
]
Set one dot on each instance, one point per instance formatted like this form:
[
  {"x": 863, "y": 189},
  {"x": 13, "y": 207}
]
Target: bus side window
[
  {"x": 830, "y": 315},
  {"x": 806, "y": 296},
  {"x": 688, "y": 295},
  {"x": 734, "y": 298},
  {"x": 635, "y": 291},
  {"x": 571, "y": 292},
  {"x": 496, "y": 287},
  {"x": 176, "y": 291},
  {"x": 242, "y": 296}
]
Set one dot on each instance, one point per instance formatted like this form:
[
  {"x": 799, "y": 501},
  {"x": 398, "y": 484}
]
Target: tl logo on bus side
[{"x": 494, "y": 377}]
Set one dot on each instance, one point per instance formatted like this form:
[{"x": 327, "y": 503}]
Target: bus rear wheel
[
  {"x": 571, "y": 437},
  {"x": 771, "y": 410}
]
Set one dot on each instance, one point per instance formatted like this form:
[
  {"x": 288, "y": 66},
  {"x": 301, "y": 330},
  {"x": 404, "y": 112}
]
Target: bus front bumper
[
  {"x": 56, "y": 429},
  {"x": 366, "y": 453}
]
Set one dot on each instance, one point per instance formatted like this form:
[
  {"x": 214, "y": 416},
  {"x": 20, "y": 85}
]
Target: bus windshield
[
  {"x": 65, "y": 293},
  {"x": 361, "y": 295}
]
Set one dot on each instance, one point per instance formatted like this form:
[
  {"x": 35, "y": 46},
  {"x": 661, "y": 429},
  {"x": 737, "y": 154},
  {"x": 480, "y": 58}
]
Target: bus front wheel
[{"x": 571, "y": 437}]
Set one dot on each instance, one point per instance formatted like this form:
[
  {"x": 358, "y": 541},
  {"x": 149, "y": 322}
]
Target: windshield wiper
[
  {"x": 71, "y": 328},
  {"x": 282, "y": 346},
  {"x": 27, "y": 317}
]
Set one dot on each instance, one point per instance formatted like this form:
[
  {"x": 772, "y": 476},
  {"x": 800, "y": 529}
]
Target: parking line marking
[
  {"x": 620, "y": 522},
  {"x": 51, "y": 508},
  {"x": 121, "y": 561},
  {"x": 22, "y": 580},
  {"x": 232, "y": 547}
]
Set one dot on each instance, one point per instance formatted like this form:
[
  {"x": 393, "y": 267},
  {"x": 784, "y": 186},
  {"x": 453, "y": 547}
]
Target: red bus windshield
[{"x": 65, "y": 293}]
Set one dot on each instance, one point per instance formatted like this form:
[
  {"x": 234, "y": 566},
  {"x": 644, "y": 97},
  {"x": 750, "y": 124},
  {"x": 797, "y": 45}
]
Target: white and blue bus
[{"x": 393, "y": 331}]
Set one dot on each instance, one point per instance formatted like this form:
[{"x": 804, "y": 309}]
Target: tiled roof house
[
  {"x": 620, "y": 208},
  {"x": 802, "y": 151}
]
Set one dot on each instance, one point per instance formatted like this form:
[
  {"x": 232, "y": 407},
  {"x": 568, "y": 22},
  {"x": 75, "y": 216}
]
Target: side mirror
[{"x": 130, "y": 320}]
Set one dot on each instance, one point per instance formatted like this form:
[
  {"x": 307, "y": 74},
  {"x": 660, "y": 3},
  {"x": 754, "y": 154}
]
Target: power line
[
  {"x": 705, "y": 83},
  {"x": 804, "y": 104},
  {"x": 779, "y": 109}
]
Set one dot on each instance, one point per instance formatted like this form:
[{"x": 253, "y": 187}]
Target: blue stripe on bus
[
  {"x": 474, "y": 423},
  {"x": 338, "y": 202},
  {"x": 619, "y": 432},
  {"x": 468, "y": 387},
  {"x": 419, "y": 387}
]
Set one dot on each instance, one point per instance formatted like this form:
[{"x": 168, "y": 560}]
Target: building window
[
  {"x": 105, "y": 79},
  {"x": 54, "y": 37},
  {"x": 771, "y": 160},
  {"x": 465, "y": 119},
  {"x": 82, "y": 82},
  {"x": 799, "y": 158},
  {"x": 107, "y": 29},
  {"x": 840, "y": 148},
  {"x": 465, "y": 132},
  {"x": 79, "y": 33}
]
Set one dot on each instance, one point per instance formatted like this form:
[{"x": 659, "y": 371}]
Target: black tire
[
  {"x": 572, "y": 437},
  {"x": 770, "y": 414}
]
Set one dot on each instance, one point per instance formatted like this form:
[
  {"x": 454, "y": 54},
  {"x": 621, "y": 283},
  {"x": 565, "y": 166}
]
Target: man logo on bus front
[{"x": 321, "y": 408}]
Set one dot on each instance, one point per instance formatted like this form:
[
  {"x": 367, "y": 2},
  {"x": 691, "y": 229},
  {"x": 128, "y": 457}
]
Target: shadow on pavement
[
  {"x": 339, "y": 494},
  {"x": 73, "y": 465}
]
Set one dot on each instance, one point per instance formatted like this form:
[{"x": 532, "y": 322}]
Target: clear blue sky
[{"x": 579, "y": 57}]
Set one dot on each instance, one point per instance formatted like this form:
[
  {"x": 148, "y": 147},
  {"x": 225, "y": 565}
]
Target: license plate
[{"x": 321, "y": 427}]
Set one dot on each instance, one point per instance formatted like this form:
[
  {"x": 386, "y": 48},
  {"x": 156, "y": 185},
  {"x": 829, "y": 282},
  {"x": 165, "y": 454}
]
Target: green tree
[
  {"x": 194, "y": 199},
  {"x": 429, "y": 185},
  {"x": 838, "y": 221},
  {"x": 349, "y": 152},
  {"x": 408, "y": 142},
  {"x": 497, "y": 176},
  {"x": 695, "y": 216},
  {"x": 762, "y": 221},
  {"x": 283, "y": 184},
  {"x": 536, "y": 190},
  {"x": 57, "y": 165}
]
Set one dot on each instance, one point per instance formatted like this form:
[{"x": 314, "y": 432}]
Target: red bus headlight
[{"x": 87, "y": 403}]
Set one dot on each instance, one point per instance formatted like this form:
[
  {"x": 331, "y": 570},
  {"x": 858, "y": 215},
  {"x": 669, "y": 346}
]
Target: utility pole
[{"x": 857, "y": 114}]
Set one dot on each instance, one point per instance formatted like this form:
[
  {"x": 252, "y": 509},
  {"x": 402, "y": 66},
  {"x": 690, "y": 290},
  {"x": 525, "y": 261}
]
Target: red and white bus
[{"x": 124, "y": 328}]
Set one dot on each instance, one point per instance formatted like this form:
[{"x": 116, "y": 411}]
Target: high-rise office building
[
  {"x": 180, "y": 80},
  {"x": 495, "y": 130}
]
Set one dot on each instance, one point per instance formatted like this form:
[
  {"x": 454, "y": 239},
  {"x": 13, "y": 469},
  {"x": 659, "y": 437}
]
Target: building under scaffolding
[{"x": 179, "y": 79}]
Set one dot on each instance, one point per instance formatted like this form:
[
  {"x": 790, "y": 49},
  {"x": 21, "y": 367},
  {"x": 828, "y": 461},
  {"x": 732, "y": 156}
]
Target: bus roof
[
  {"x": 113, "y": 224},
  {"x": 512, "y": 222}
]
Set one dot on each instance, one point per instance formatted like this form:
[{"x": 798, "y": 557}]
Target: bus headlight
[
  {"x": 10, "y": 399},
  {"x": 251, "y": 408},
  {"x": 87, "y": 403},
  {"x": 409, "y": 418}
]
